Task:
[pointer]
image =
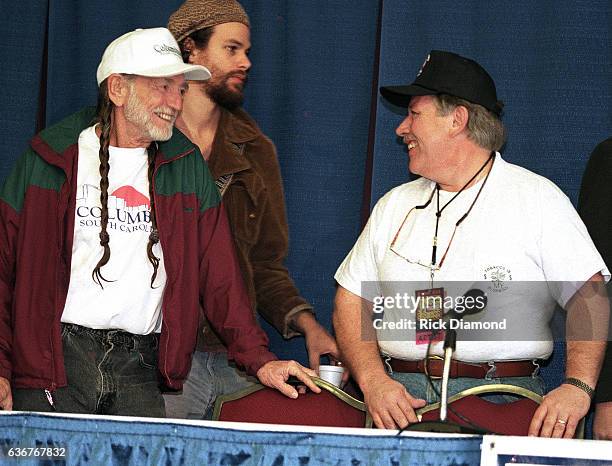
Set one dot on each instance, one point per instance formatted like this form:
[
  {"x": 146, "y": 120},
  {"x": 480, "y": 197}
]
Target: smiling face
[
  {"x": 426, "y": 134},
  {"x": 152, "y": 107},
  {"x": 226, "y": 56}
]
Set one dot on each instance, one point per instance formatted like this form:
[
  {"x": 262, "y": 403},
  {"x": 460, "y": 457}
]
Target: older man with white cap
[{"x": 110, "y": 242}]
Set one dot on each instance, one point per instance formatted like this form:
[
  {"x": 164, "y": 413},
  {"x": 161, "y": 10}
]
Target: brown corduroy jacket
[{"x": 243, "y": 161}]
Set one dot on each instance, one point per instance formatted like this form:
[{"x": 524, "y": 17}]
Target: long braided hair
[
  {"x": 104, "y": 115},
  {"x": 154, "y": 236}
]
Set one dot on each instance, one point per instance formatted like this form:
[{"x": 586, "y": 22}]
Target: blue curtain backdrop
[
  {"x": 23, "y": 26},
  {"x": 315, "y": 65}
]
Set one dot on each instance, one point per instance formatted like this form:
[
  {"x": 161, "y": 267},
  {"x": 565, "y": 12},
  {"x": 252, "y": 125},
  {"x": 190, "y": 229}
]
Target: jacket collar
[
  {"x": 236, "y": 128},
  {"x": 51, "y": 143},
  {"x": 175, "y": 147}
]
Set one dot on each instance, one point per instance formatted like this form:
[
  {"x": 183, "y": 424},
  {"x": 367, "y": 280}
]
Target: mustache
[
  {"x": 238, "y": 74},
  {"x": 167, "y": 110}
]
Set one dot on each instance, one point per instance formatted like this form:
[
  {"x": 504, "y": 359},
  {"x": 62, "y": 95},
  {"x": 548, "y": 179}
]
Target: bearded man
[{"x": 243, "y": 161}]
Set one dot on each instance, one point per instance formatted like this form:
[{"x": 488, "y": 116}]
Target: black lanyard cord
[{"x": 440, "y": 210}]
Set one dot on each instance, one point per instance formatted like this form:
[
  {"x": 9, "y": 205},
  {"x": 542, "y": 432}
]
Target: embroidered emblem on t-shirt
[{"x": 498, "y": 275}]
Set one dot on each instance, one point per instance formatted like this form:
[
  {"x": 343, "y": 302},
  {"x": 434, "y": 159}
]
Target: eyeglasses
[
  {"x": 392, "y": 248},
  {"x": 433, "y": 267}
]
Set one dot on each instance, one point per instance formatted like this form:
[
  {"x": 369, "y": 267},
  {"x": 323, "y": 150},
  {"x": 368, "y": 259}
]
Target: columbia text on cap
[{"x": 150, "y": 53}]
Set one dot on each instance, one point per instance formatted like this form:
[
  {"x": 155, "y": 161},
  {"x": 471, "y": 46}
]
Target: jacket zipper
[
  {"x": 164, "y": 370},
  {"x": 60, "y": 235}
]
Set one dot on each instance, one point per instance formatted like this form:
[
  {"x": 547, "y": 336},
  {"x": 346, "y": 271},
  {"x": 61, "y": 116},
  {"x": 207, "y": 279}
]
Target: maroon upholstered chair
[
  {"x": 332, "y": 407},
  {"x": 470, "y": 410}
]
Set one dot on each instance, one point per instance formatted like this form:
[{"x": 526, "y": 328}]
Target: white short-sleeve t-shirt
[
  {"x": 127, "y": 302},
  {"x": 522, "y": 244}
]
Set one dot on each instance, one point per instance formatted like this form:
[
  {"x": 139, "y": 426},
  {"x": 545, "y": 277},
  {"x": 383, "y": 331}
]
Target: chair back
[
  {"x": 468, "y": 409},
  {"x": 332, "y": 407}
]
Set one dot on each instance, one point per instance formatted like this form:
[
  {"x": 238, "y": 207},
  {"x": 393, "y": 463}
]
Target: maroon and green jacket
[{"x": 37, "y": 204}]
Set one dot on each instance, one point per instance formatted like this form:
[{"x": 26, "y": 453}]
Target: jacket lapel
[{"x": 228, "y": 155}]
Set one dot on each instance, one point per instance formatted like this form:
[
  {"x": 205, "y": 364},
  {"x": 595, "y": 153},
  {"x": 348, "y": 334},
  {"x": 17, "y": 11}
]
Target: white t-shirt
[
  {"x": 127, "y": 302},
  {"x": 523, "y": 244}
]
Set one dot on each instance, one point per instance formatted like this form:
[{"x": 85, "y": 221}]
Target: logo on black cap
[{"x": 423, "y": 65}]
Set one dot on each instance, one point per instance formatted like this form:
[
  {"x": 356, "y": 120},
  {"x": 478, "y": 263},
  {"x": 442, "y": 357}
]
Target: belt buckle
[
  {"x": 491, "y": 371},
  {"x": 426, "y": 361},
  {"x": 536, "y": 370},
  {"x": 387, "y": 361}
]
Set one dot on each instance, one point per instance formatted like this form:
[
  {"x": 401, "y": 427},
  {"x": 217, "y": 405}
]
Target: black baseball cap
[{"x": 448, "y": 73}]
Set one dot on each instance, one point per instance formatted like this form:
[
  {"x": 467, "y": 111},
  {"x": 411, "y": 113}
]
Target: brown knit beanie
[{"x": 199, "y": 14}]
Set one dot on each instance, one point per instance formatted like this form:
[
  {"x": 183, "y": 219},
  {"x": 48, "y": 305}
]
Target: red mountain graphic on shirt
[{"x": 131, "y": 197}]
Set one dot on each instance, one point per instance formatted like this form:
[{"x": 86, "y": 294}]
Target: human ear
[
  {"x": 461, "y": 117},
  {"x": 191, "y": 49},
  {"x": 118, "y": 90}
]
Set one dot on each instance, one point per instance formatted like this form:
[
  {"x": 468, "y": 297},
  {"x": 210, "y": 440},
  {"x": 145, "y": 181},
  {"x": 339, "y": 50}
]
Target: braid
[
  {"x": 154, "y": 236},
  {"x": 104, "y": 112}
]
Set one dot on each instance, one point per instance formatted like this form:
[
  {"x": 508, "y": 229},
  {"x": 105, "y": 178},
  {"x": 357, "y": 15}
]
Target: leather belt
[{"x": 465, "y": 369}]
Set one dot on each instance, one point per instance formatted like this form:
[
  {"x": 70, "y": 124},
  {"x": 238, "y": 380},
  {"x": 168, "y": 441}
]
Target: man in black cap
[{"x": 473, "y": 217}]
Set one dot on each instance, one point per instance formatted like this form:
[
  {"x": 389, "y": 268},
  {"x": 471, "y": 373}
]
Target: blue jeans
[
  {"x": 211, "y": 375},
  {"x": 108, "y": 372},
  {"x": 418, "y": 386}
]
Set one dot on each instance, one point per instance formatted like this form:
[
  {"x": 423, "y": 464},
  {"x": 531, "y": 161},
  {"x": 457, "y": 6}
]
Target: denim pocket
[{"x": 148, "y": 359}]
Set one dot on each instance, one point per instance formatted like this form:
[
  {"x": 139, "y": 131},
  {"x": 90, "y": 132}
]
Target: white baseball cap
[{"x": 147, "y": 52}]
